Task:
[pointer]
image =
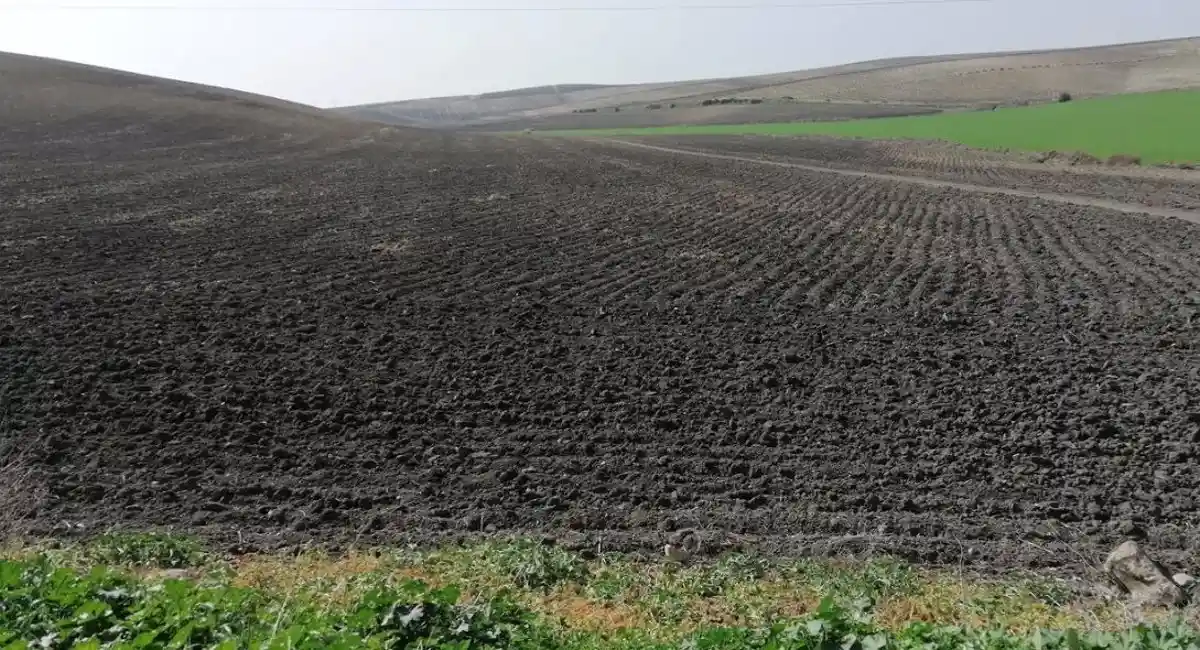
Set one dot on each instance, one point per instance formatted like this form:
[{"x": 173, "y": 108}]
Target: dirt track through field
[{"x": 1130, "y": 208}]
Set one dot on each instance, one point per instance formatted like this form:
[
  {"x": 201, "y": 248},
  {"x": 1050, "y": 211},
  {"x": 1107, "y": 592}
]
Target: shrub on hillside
[{"x": 1064, "y": 97}]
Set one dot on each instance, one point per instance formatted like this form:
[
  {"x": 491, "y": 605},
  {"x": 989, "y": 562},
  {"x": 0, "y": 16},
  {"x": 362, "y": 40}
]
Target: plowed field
[
  {"x": 1151, "y": 187},
  {"x": 272, "y": 340}
]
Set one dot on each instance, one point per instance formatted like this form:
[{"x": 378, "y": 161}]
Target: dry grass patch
[
  {"x": 613, "y": 595},
  {"x": 21, "y": 492},
  {"x": 327, "y": 580},
  {"x": 573, "y": 609}
]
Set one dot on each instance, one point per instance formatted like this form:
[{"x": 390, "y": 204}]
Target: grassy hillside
[
  {"x": 949, "y": 81},
  {"x": 1159, "y": 127}
]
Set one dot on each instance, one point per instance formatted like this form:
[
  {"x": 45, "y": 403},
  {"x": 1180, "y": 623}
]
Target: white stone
[{"x": 1147, "y": 583}]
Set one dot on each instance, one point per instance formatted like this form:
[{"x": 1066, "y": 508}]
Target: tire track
[{"x": 1192, "y": 216}]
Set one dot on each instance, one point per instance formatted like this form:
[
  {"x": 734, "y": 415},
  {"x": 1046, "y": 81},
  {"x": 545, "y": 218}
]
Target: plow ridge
[{"x": 442, "y": 336}]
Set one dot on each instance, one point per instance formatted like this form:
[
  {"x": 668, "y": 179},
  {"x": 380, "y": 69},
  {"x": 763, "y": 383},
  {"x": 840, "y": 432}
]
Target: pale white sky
[{"x": 307, "y": 51}]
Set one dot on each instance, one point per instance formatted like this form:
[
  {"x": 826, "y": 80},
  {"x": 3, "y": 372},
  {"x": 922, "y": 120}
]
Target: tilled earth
[
  {"x": 409, "y": 337},
  {"x": 1154, "y": 187},
  {"x": 691, "y": 111}
]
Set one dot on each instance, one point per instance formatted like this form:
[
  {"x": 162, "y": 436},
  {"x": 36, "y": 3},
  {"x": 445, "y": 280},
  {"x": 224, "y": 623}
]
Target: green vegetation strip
[
  {"x": 154, "y": 591},
  {"x": 1159, "y": 127}
]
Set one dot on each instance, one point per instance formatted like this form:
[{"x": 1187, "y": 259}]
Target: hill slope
[
  {"x": 951, "y": 81},
  {"x": 47, "y": 101},
  {"x": 1135, "y": 67}
]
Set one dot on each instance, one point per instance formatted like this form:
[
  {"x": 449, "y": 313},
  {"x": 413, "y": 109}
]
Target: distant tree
[
  {"x": 616, "y": 109},
  {"x": 1064, "y": 97},
  {"x": 672, "y": 106}
]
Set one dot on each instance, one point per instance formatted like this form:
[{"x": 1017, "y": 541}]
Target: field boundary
[{"x": 1072, "y": 199}]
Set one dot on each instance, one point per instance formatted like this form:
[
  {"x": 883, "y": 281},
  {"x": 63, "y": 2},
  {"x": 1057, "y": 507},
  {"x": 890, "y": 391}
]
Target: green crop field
[{"x": 1159, "y": 127}]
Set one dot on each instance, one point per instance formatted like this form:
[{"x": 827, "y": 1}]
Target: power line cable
[{"x": 384, "y": 8}]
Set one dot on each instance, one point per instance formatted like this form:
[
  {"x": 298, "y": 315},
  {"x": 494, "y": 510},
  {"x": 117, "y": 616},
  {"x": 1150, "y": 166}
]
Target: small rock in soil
[
  {"x": 1144, "y": 579},
  {"x": 682, "y": 545},
  {"x": 1130, "y": 529},
  {"x": 473, "y": 521}
]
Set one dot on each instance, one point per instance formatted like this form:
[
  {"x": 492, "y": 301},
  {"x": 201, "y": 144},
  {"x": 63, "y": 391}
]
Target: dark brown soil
[
  {"x": 689, "y": 111},
  {"x": 407, "y": 337},
  {"x": 946, "y": 161}
]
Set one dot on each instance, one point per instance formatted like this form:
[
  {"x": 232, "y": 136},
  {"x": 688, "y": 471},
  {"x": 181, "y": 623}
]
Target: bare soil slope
[
  {"x": 919, "y": 83},
  {"x": 1009, "y": 78},
  {"x": 529, "y": 106},
  {"x": 350, "y": 337},
  {"x": 76, "y": 103},
  {"x": 669, "y": 115},
  {"x": 1165, "y": 191}
]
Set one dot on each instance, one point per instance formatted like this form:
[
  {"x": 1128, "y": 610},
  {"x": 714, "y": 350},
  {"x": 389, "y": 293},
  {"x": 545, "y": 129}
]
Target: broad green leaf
[{"x": 875, "y": 642}]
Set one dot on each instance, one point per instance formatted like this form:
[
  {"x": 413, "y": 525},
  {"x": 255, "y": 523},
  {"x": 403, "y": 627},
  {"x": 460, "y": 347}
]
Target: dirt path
[{"x": 1130, "y": 208}]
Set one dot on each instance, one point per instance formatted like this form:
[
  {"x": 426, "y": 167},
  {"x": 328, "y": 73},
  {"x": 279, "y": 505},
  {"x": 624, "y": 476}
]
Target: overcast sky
[{"x": 331, "y": 58}]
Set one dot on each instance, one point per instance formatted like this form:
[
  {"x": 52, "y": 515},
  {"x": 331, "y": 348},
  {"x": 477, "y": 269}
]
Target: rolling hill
[
  {"x": 890, "y": 86},
  {"x": 47, "y": 101}
]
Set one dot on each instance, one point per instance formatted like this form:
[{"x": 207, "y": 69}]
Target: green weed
[
  {"x": 875, "y": 579},
  {"x": 526, "y": 564},
  {"x": 530, "y": 596},
  {"x": 150, "y": 550},
  {"x": 536, "y": 566},
  {"x": 47, "y": 607}
]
